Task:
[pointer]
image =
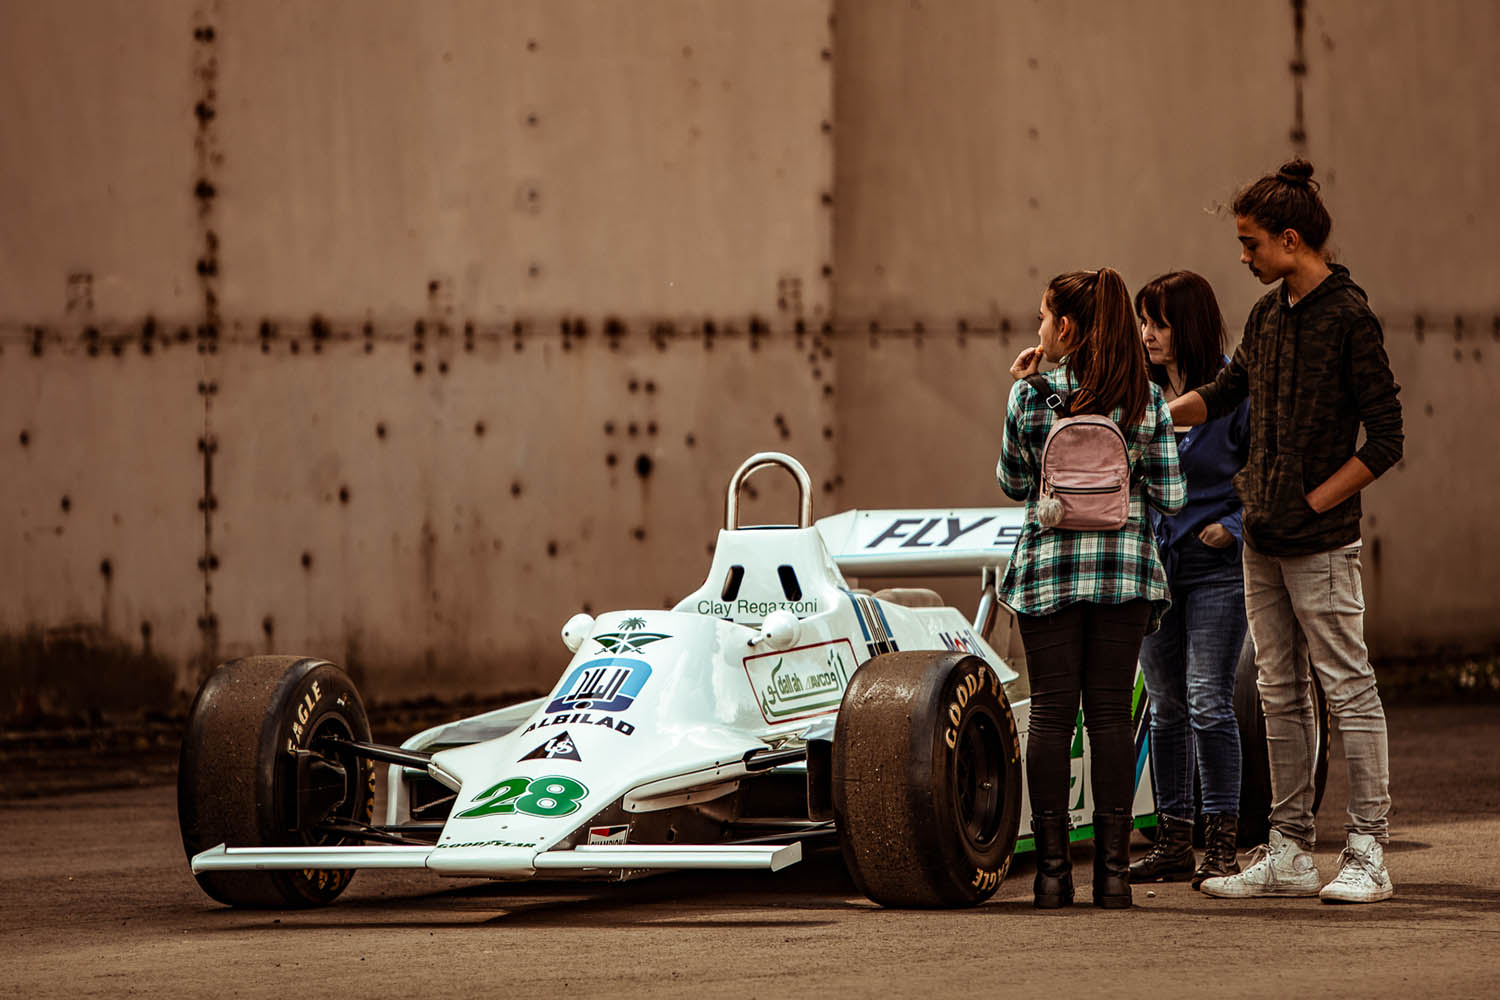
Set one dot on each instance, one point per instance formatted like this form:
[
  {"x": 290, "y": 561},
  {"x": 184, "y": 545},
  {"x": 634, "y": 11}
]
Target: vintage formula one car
[{"x": 776, "y": 705}]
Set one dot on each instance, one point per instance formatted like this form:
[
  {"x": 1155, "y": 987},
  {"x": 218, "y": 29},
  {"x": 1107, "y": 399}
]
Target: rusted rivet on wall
[
  {"x": 479, "y": 428},
  {"x": 67, "y": 504},
  {"x": 267, "y": 625},
  {"x": 25, "y": 438},
  {"x": 380, "y": 430},
  {"x": 343, "y": 494},
  {"x": 515, "y": 488},
  {"x": 551, "y": 548},
  {"x": 639, "y": 534},
  {"x": 307, "y": 560},
  {"x": 643, "y": 465},
  {"x": 106, "y": 569}
]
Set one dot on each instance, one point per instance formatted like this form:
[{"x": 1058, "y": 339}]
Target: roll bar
[{"x": 762, "y": 460}]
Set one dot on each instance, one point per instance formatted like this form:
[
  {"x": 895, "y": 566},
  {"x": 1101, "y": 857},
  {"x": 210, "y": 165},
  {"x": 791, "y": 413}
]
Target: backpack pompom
[{"x": 1049, "y": 511}]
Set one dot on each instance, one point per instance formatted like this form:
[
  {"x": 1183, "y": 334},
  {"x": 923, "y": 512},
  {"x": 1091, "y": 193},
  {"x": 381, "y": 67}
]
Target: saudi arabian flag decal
[{"x": 630, "y": 638}]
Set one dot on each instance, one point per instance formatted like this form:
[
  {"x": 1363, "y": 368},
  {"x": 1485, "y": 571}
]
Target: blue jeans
[{"x": 1189, "y": 669}]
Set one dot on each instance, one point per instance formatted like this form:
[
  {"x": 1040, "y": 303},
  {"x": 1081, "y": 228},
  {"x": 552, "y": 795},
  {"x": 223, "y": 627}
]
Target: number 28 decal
[{"x": 554, "y": 795}]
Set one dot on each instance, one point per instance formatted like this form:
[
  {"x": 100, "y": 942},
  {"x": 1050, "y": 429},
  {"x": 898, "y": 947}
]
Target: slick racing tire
[
  {"x": 254, "y": 772},
  {"x": 1255, "y": 759},
  {"x": 926, "y": 780}
]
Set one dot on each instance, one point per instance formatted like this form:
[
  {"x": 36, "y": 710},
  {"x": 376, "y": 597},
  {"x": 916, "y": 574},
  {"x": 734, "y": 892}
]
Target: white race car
[{"x": 774, "y": 705}]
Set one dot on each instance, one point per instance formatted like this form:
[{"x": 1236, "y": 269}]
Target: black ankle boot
[
  {"x": 1054, "y": 868},
  {"x": 1220, "y": 833},
  {"x": 1112, "y": 859},
  {"x": 1171, "y": 857}
]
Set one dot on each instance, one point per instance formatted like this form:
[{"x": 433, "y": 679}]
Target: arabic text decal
[
  {"x": 800, "y": 682},
  {"x": 604, "y": 684}
]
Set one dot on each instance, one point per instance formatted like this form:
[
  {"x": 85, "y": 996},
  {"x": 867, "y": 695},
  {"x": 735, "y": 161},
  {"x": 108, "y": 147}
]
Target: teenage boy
[{"x": 1314, "y": 365}]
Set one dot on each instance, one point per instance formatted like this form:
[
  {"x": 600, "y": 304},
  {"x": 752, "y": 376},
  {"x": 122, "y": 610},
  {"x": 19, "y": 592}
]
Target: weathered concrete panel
[
  {"x": 97, "y": 161},
  {"x": 984, "y": 147},
  {"x": 1405, "y": 127},
  {"x": 550, "y": 157},
  {"x": 1432, "y": 564},
  {"x": 102, "y": 532},
  {"x": 435, "y": 530}
]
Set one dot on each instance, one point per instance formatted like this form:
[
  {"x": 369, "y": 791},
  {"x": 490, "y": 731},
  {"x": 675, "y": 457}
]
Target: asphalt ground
[{"x": 97, "y": 901}]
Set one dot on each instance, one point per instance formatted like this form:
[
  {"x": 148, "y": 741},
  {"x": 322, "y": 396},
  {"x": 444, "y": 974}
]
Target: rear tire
[
  {"x": 926, "y": 780},
  {"x": 237, "y": 778}
]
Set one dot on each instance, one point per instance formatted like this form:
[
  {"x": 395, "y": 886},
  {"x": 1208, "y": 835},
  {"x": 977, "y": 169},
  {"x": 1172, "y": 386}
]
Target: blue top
[{"x": 1210, "y": 455}]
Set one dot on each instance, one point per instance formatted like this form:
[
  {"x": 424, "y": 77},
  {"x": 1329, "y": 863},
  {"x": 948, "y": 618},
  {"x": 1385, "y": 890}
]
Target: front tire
[
  {"x": 926, "y": 780},
  {"x": 252, "y": 773}
]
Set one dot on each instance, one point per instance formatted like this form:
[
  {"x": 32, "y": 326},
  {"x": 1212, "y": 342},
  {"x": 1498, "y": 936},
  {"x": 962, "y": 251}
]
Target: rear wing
[{"x": 939, "y": 542}]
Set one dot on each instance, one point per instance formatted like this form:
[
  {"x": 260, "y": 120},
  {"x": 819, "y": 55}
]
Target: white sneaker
[
  {"x": 1362, "y": 877},
  {"x": 1279, "y": 867}
]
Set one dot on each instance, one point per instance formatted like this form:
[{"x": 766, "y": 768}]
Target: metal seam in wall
[
  {"x": 1298, "y": 67},
  {"x": 207, "y": 159}
]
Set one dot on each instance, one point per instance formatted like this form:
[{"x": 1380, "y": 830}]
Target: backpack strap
[{"x": 1057, "y": 403}]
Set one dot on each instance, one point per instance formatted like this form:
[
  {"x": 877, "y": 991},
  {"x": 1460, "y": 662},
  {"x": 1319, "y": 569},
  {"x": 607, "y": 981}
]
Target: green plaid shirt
[{"x": 1052, "y": 568}]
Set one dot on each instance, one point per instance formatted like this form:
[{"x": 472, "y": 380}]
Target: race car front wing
[{"x": 590, "y": 857}]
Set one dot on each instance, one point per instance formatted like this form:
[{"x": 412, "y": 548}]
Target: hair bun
[{"x": 1297, "y": 171}]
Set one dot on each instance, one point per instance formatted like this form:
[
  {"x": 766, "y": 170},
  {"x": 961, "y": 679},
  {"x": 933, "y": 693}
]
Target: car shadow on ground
[{"x": 818, "y": 884}]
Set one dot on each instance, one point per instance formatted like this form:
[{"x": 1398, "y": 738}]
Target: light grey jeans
[{"x": 1312, "y": 608}]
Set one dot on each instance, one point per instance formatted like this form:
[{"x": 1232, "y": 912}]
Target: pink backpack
[{"x": 1085, "y": 469}]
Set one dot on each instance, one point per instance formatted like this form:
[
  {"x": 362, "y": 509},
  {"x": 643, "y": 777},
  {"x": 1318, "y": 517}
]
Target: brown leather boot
[
  {"x": 1220, "y": 831},
  {"x": 1171, "y": 857}
]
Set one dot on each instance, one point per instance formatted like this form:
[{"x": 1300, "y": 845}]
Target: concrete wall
[{"x": 398, "y": 332}]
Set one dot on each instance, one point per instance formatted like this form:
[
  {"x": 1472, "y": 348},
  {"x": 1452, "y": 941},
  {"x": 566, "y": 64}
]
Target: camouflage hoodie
[{"x": 1314, "y": 371}]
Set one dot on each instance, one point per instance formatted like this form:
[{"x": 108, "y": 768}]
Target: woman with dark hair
[
  {"x": 1084, "y": 598},
  {"x": 1189, "y": 663}
]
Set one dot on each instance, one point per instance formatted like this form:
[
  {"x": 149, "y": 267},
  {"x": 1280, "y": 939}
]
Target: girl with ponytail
[{"x": 1085, "y": 599}]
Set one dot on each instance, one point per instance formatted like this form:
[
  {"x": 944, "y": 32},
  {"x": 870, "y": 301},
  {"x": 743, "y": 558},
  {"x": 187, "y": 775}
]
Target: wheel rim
[
  {"x": 979, "y": 782},
  {"x": 345, "y": 806}
]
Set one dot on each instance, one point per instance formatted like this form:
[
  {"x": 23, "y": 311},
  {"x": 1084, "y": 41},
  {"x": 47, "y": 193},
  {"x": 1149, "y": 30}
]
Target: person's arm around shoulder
[
  {"x": 1166, "y": 489},
  {"x": 1016, "y": 471}
]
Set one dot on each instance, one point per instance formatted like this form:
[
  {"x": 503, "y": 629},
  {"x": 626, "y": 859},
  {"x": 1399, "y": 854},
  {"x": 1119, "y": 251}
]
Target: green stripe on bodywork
[{"x": 1027, "y": 844}]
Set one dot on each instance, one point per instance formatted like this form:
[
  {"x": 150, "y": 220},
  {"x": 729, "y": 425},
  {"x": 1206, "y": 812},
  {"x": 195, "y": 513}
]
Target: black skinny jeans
[{"x": 1086, "y": 650}]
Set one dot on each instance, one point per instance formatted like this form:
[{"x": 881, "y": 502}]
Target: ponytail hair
[
  {"x": 1110, "y": 360},
  {"x": 1287, "y": 199}
]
